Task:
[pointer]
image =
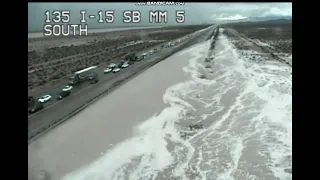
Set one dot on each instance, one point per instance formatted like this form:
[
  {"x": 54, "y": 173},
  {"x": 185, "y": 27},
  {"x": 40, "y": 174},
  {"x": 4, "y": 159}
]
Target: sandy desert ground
[
  {"x": 220, "y": 110},
  {"x": 51, "y": 59},
  {"x": 112, "y": 118},
  {"x": 273, "y": 37}
]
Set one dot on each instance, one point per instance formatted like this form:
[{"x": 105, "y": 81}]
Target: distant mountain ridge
[
  {"x": 268, "y": 18},
  {"x": 257, "y": 19}
]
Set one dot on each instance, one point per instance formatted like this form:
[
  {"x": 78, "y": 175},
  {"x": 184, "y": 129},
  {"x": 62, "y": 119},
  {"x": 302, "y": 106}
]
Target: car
[
  {"x": 124, "y": 65},
  {"x": 95, "y": 80},
  {"x": 143, "y": 56},
  {"x": 67, "y": 88},
  {"x": 90, "y": 77},
  {"x": 130, "y": 62},
  {"x": 155, "y": 50},
  {"x": 116, "y": 70},
  {"x": 44, "y": 98},
  {"x": 151, "y": 52},
  {"x": 30, "y": 100},
  {"x": 37, "y": 107},
  {"x": 63, "y": 94},
  {"x": 112, "y": 65},
  {"x": 107, "y": 70},
  {"x": 120, "y": 64}
]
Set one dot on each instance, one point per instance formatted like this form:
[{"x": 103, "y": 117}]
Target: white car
[
  {"x": 143, "y": 56},
  {"x": 112, "y": 65},
  {"x": 67, "y": 88},
  {"x": 150, "y": 52},
  {"x": 107, "y": 70},
  {"x": 116, "y": 70},
  {"x": 124, "y": 65},
  {"x": 45, "y": 98}
]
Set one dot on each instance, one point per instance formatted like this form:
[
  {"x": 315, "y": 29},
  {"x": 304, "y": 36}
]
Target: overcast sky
[{"x": 195, "y": 13}]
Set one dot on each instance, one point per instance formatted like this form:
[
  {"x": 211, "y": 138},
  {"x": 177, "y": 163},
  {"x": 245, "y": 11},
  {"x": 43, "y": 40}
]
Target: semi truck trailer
[{"x": 82, "y": 75}]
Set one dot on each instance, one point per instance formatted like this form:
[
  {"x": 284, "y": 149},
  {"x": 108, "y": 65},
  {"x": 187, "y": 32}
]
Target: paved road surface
[
  {"x": 59, "y": 109},
  {"x": 55, "y": 89}
]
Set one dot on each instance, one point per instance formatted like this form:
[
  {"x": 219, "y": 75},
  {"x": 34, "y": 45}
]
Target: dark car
[
  {"x": 93, "y": 76},
  {"x": 30, "y": 100},
  {"x": 63, "y": 94},
  {"x": 120, "y": 63},
  {"x": 130, "y": 62},
  {"x": 94, "y": 80},
  {"x": 37, "y": 107}
]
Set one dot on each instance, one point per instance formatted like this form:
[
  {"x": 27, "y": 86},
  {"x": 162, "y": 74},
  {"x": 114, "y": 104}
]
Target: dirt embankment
[
  {"x": 276, "y": 35},
  {"x": 272, "y": 39}
]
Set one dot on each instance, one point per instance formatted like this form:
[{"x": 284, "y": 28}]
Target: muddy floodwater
[{"x": 229, "y": 118}]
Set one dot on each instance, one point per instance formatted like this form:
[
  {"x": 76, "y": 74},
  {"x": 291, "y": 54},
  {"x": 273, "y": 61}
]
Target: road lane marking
[
  {"x": 57, "y": 102},
  {"x": 166, "y": 52},
  {"x": 151, "y": 58},
  {"x": 90, "y": 85},
  {"x": 126, "y": 77}
]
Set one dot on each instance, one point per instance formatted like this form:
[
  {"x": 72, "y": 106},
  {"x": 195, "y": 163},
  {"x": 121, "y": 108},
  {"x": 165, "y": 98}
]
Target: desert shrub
[
  {"x": 41, "y": 82},
  {"x": 56, "y": 76},
  {"x": 87, "y": 55}
]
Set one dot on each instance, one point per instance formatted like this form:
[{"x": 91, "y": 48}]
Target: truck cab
[
  {"x": 131, "y": 57},
  {"x": 72, "y": 81}
]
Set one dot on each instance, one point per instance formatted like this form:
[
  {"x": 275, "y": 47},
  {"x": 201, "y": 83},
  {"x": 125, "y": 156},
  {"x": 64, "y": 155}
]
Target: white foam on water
[
  {"x": 276, "y": 114},
  {"x": 268, "y": 86},
  {"x": 149, "y": 143},
  {"x": 246, "y": 107}
]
